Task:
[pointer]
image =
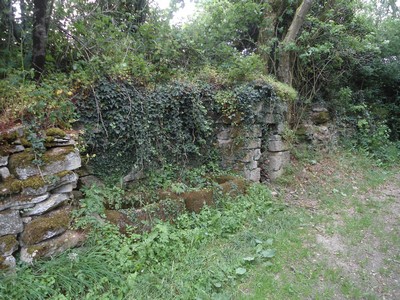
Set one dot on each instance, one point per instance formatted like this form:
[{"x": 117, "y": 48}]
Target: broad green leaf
[
  {"x": 240, "y": 271},
  {"x": 269, "y": 253}
]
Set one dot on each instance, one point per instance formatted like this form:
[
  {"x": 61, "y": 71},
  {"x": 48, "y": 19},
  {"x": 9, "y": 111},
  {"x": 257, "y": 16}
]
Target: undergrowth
[{"x": 197, "y": 256}]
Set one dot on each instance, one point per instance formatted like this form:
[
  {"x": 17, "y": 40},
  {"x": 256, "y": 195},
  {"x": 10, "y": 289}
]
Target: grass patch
[{"x": 248, "y": 247}]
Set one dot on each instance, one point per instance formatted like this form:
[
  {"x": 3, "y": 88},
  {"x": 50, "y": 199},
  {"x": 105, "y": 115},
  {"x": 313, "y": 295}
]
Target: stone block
[
  {"x": 269, "y": 119},
  {"x": 255, "y": 131},
  {"x": 4, "y": 173},
  {"x": 251, "y": 155},
  {"x": 17, "y": 149},
  {"x": 196, "y": 200},
  {"x": 8, "y": 245},
  {"x": 251, "y": 165},
  {"x": 66, "y": 188},
  {"x": 120, "y": 220},
  {"x": 47, "y": 205},
  {"x": 253, "y": 143},
  {"x": 276, "y": 144},
  {"x": 45, "y": 227},
  {"x": 69, "y": 178},
  {"x": 91, "y": 180},
  {"x": 56, "y": 160},
  {"x": 273, "y": 175},
  {"x": 277, "y": 160},
  {"x": 224, "y": 143},
  {"x": 67, "y": 240},
  {"x": 21, "y": 202},
  {"x": 10, "y": 223},
  {"x": 253, "y": 175},
  {"x": 320, "y": 117},
  {"x": 7, "y": 262},
  {"x": 3, "y": 161},
  {"x": 61, "y": 142},
  {"x": 224, "y": 134}
]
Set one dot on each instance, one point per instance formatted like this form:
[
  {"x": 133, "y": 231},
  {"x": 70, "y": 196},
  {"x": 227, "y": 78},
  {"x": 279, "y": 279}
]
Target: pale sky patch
[{"x": 181, "y": 16}]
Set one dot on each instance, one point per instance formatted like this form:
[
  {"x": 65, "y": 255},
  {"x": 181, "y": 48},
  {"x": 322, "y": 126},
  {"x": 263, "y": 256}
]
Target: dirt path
[
  {"x": 361, "y": 246},
  {"x": 354, "y": 238}
]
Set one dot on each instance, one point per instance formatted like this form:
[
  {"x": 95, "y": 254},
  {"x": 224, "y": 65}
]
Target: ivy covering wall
[{"x": 130, "y": 127}]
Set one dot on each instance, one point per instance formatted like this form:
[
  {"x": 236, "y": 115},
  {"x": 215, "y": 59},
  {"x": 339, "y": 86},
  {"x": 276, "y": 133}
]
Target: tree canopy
[{"x": 335, "y": 51}]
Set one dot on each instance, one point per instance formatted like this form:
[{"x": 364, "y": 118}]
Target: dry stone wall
[
  {"x": 256, "y": 150},
  {"x": 34, "y": 211},
  {"x": 36, "y": 189}
]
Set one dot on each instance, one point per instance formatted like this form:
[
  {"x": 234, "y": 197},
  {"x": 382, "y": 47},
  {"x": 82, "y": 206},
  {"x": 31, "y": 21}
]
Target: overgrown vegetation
[
  {"x": 247, "y": 246},
  {"x": 112, "y": 265},
  {"x": 343, "y": 48},
  {"x": 132, "y": 128},
  {"x": 149, "y": 91}
]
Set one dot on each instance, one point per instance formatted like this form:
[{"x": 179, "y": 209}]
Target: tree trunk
[
  {"x": 284, "y": 70},
  {"x": 395, "y": 9},
  {"x": 39, "y": 37}
]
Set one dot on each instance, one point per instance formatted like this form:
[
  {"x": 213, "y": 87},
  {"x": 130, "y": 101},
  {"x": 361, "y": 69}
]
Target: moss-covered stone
[
  {"x": 52, "y": 247},
  {"x": 8, "y": 245},
  {"x": 320, "y": 117},
  {"x": 10, "y": 186},
  {"x": 196, "y": 200},
  {"x": 5, "y": 149},
  {"x": 22, "y": 159},
  {"x": 52, "y": 132},
  {"x": 282, "y": 90},
  {"x": 14, "y": 186},
  {"x": 3, "y": 266},
  {"x": 7, "y": 262},
  {"x": 9, "y": 137},
  {"x": 55, "y": 160},
  {"x": 45, "y": 227},
  {"x": 57, "y": 154},
  {"x": 234, "y": 187},
  {"x": 49, "y": 139},
  {"x": 223, "y": 178},
  {"x": 25, "y": 158},
  {"x": 119, "y": 219},
  {"x": 25, "y": 142},
  {"x": 166, "y": 210},
  {"x": 34, "y": 182}
]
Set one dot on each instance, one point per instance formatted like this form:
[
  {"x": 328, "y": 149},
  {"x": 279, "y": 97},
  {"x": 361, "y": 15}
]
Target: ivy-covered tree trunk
[
  {"x": 285, "y": 73},
  {"x": 39, "y": 37}
]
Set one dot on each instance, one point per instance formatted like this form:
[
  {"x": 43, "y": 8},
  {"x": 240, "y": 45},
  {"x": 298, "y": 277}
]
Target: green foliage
[
  {"x": 366, "y": 130},
  {"x": 112, "y": 265},
  {"x": 91, "y": 207}
]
